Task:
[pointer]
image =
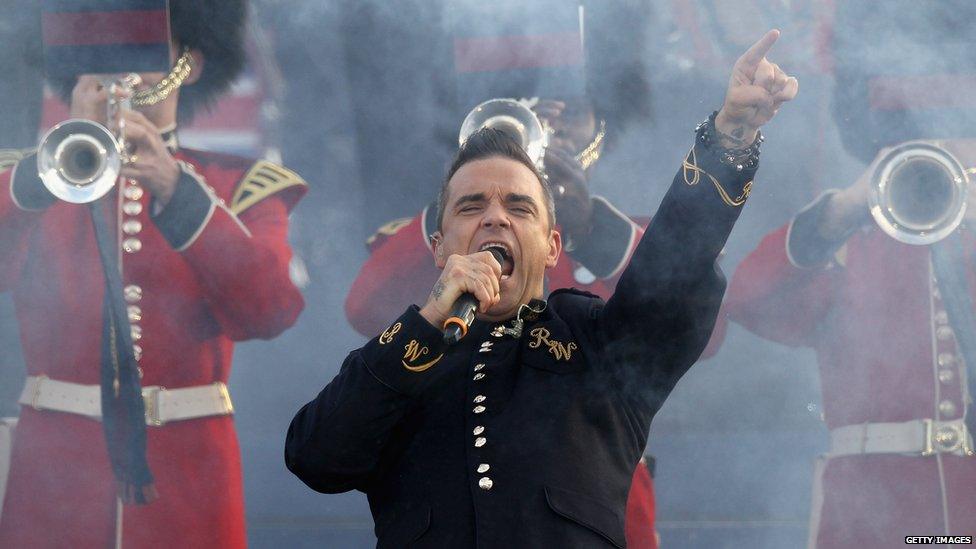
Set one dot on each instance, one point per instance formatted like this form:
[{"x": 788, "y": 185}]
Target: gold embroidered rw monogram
[
  {"x": 387, "y": 336},
  {"x": 415, "y": 352},
  {"x": 558, "y": 349}
]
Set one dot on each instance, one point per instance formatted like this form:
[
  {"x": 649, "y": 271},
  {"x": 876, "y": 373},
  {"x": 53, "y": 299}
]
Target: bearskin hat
[
  {"x": 902, "y": 70},
  {"x": 617, "y": 80},
  {"x": 614, "y": 77},
  {"x": 215, "y": 28}
]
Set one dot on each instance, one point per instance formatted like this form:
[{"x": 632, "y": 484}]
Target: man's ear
[
  {"x": 197, "y": 62},
  {"x": 437, "y": 247},
  {"x": 555, "y": 247}
]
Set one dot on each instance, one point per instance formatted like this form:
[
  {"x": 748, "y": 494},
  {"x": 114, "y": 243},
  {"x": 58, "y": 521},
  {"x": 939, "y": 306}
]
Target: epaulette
[
  {"x": 10, "y": 157},
  {"x": 388, "y": 230},
  {"x": 261, "y": 181}
]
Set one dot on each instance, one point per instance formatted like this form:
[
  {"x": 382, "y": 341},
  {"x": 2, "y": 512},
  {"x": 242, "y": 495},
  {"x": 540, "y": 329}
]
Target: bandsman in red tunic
[
  {"x": 877, "y": 310},
  {"x": 202, "y": 248}
]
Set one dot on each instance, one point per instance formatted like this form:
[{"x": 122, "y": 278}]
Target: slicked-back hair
[{"x": 492, "y": 143}]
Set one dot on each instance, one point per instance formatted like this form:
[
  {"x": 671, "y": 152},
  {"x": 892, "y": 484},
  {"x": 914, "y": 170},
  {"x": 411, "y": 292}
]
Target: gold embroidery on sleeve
[
  {"x": 415, "y": 351},
  {"x": 690, "y": 169}
]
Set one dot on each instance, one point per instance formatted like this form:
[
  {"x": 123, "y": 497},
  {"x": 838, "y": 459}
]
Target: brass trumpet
[
  {"x": 78, "y": 160},
  {"x": 514, "y": 118},
  {"x": 919, "y": 193}
]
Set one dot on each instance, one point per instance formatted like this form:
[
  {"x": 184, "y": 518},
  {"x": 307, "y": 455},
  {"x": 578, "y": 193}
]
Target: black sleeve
[
  {"x": 335, "y": 442},
  {"x": 661, "y": 315},
  {"x": 805, "y": 245},
  {"x": 28, "y": 192}
]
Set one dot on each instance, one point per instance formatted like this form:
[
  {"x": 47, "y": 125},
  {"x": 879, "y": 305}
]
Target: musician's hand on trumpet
[
  {"x": 89, "y": 99},
  {"x": 149, "y": 160},
  {"x": 574, "y": 209}
]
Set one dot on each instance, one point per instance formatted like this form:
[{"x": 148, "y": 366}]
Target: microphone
[{"x": 462, "y": 313}]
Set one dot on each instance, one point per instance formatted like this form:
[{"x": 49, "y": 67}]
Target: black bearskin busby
[
  {"x": 617, "y": 80},
  {"x": 615, "y": 75},
  {"x": 902, "y": 72},
  {"x": 216, "y": 28}
]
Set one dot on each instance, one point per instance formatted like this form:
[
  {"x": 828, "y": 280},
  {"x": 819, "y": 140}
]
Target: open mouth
[{"x": 508, "y": 264}]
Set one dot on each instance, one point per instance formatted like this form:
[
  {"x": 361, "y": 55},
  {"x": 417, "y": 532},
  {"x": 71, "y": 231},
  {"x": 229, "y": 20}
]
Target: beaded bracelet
[{"x": 740, "y": 159}]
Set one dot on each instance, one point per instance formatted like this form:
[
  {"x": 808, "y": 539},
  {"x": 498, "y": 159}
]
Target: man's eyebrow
[
  {"x": 468, "y": 198},
  {"x": 520, "y": 198}
]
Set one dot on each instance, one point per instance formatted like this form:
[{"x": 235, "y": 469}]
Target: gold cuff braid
[{"x": 692, "y": 175}]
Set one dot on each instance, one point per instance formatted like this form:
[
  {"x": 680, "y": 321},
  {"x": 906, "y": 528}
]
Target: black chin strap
[{"x": 948, "y": 261}]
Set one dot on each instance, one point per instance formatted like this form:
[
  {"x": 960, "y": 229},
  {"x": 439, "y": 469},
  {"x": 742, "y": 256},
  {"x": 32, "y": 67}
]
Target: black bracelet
[{"x": 740, "y": 159}]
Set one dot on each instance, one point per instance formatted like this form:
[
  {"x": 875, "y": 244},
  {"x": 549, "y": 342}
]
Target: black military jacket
[{"x": 528, "y": 441}]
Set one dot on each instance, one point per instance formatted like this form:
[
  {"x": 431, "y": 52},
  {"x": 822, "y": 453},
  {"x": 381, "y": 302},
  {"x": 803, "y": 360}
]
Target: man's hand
[
  {"x": 756, "y": 91},
  {"x": 478, "y": 274},
  {"x": 89, "y": 100},
  {"x": 574, "y": 210},
  {"x": 150, "y": 162}
]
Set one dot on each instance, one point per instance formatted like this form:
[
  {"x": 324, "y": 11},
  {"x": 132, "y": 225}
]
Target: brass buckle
[
  {"x": 946, "y": 438},
  {"x": 150, "y": 397},
  {"x": 225, "y": 397},
  {"x": 37, "y": 392}
]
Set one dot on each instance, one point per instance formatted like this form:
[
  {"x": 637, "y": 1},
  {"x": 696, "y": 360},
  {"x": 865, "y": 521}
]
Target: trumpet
[
  {"x": 78, "y": 160},
  {"x": 513, "y": 118},
  {"x": 919, "y": 193}
]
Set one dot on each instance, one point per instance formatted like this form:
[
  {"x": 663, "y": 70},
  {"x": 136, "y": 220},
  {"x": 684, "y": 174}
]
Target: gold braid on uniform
[
  {"x": 261, "y": 181},
  {"x": 591, "y": 153},
  {"x": 169, "y": 83},
  {"x": 10, "y": 157},
  {"x": 692, "y": 175}
]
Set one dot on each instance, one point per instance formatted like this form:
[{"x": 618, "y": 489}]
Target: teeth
[{"x": 487, "y": 245}]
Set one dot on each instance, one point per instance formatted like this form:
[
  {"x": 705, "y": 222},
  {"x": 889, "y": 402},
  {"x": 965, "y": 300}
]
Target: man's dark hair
[{"x": 489, "y": 143}]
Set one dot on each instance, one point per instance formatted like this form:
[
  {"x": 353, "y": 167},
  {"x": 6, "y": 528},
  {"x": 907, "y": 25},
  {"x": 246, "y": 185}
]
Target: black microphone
[{"x": 462, "y": 313}]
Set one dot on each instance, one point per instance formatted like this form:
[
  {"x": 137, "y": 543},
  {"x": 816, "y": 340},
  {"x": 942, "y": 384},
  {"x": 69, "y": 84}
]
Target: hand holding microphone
[{"x": 467, "y": 284}]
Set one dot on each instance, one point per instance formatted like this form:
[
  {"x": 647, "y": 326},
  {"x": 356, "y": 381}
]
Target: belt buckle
[
  {"x": 946, "y": 438},
  {"x": 36, "y": 396},
  {"x": 150, "y": 398}
]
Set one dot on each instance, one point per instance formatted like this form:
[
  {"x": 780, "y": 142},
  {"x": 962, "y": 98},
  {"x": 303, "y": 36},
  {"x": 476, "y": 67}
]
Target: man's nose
[{"x": 495, "y": 216}]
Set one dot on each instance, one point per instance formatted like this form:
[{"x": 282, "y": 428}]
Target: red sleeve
[
  {"x": 775, "y": 299},
  {"x": 399, "y": 272},
  {"x": 639, "y": 523},
  {"x": 241, "y": 262}
]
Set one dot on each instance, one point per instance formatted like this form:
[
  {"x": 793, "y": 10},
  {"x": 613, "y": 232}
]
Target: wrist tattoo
[
  {"x": 735, "y": 138},
  {"x": 438, "y": 290}
]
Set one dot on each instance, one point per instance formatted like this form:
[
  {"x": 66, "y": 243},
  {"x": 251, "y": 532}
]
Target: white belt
[
  {"x": 162, "y": 405},
  {"x": 922, "y": 437}
]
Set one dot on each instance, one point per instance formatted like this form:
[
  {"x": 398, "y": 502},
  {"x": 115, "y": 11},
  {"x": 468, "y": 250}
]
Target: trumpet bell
[
  {"x": 919, "y": 194},
  {"x": 79, "y": 161},
  {"x": 513, "y": 118}
]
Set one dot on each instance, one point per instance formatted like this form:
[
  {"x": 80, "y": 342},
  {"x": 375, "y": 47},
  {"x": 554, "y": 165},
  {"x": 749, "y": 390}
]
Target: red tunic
[
  {"x": 400, "y": 271},
  {"x": 874, "y": 317},
  {"x": 229, "y": 283}
]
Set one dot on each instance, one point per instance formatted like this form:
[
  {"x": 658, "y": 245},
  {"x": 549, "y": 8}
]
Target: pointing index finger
[{"x": 757, "y": 51}]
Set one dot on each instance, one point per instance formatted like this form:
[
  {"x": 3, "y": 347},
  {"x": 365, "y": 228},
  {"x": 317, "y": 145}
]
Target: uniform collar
[{"x": 527, "y": 313}]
